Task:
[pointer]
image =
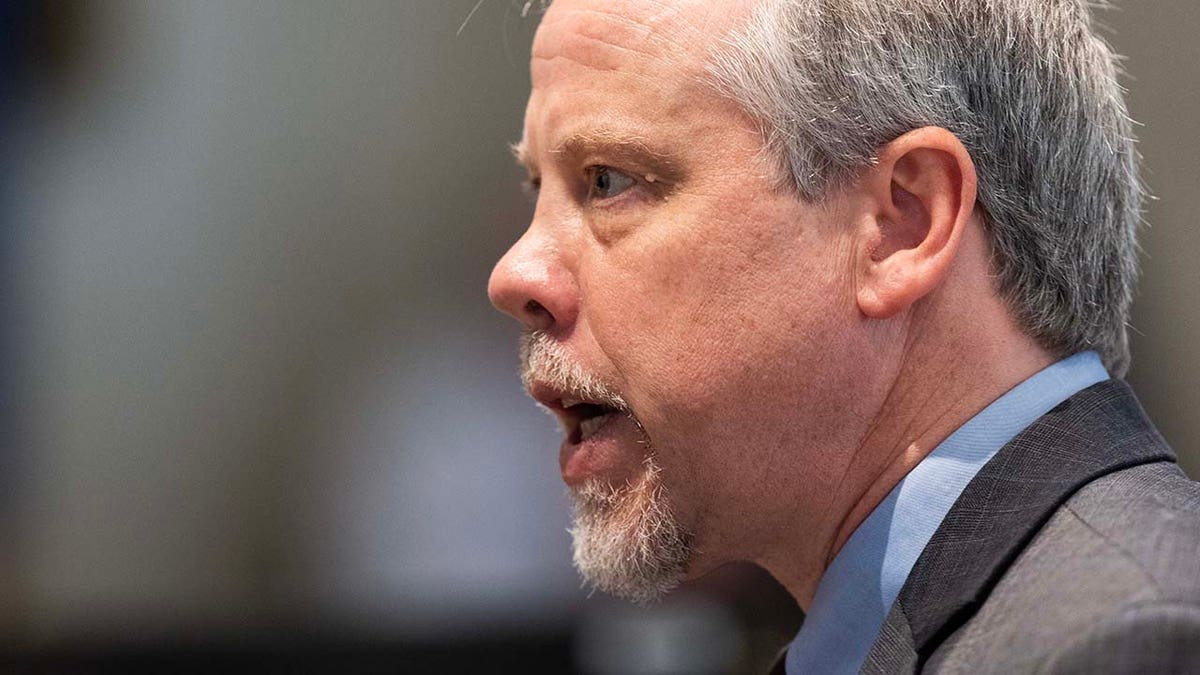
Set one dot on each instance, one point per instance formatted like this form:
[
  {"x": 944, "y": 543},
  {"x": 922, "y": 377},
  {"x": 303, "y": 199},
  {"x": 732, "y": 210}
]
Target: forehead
[
  {"x": 644, "y": 58},
  {"x": 611, "y": 35}
]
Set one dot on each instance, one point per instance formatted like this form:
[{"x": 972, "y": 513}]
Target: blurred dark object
[
  {"x": 731, "y": 622},
  {"x": 540, "y": 653},
  {"x": 47, "y": 38},
  {"x": 18, "y": 36}
]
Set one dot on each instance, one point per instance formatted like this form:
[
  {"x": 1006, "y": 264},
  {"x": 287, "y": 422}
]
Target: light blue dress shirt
[{"x": 857, "y": 591}]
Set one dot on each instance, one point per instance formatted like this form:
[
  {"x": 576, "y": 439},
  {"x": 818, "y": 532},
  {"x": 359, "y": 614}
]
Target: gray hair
[{"x": 1029, "y": 89}]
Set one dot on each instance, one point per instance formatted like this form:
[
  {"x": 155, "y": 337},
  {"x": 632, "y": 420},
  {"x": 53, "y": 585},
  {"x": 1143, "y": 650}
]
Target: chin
[{"x": 628, "y": 540}]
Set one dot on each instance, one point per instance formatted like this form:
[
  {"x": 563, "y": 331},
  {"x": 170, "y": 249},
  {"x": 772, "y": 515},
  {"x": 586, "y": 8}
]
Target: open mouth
[
  {"x": 580, "y": 418},
  {"x": 598, "y": 431},
  {"x": 583, "y": 419}
]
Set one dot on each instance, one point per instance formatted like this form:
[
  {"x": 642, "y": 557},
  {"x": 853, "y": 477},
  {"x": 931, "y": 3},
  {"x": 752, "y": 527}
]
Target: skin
[{"x": 790, "y": 361}]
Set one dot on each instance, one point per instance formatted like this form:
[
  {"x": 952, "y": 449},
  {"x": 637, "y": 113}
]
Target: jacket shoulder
[
  {"x": 1152, "y": 637},
  {"x": 1150, "y": 516},
  {"x": 1120, "y": 557}
]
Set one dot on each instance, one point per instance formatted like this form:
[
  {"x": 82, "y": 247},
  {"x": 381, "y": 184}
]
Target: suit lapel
[
  {"x": 1095, "y": 432},
  {"x": 893, "y": 651}
]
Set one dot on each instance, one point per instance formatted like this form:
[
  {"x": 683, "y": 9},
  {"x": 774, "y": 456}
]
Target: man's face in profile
[{"x": 685, "y": 316}]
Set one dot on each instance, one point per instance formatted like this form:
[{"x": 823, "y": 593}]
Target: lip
[
  {"x": 547, "y": 396},
  {"x": 602, "y": 453},
  {"x": 570, "y": 408},
  {"x": 603, "y": 450}
]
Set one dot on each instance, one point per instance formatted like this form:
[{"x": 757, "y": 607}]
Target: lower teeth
[{"x": 590, "y": 425}]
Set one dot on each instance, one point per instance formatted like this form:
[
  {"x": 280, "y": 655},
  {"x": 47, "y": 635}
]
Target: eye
[{"x": 605, "y": 182}]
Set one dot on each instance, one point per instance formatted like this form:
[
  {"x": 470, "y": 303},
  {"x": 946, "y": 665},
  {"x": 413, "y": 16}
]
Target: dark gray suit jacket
[{"x": 1076, "y": 549}]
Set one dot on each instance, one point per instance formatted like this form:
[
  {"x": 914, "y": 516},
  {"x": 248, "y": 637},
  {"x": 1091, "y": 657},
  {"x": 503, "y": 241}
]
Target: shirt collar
[{"x": 860, "y": 585}]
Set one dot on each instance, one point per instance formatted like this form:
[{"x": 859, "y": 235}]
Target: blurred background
[{"x": 255, "y": 410}]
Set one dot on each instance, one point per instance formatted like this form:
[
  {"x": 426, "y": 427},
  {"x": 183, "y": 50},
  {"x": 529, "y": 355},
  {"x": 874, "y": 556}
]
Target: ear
[{"x": 921, "y": 195}]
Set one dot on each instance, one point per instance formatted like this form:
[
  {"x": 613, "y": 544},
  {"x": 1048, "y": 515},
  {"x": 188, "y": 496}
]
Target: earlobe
[
  {"x": 888, "y": 288},
  {"x": 922, "y": 195},
  {"x": 874, "y": 304}
]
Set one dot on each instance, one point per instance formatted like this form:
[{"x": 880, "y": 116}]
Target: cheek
[
  {"x": 729, "y": 362},
  {"x": 700, "y": 326}
]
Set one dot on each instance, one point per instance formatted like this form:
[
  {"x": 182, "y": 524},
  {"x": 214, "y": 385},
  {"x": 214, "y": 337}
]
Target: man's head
[
  {"x": 1029, "y": 89},
  {"x": 754, "y": 218}
]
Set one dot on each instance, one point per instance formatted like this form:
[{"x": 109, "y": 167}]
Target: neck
[
  {"x": 919, "y": 422},
  {"x": 937, "y": 387}
]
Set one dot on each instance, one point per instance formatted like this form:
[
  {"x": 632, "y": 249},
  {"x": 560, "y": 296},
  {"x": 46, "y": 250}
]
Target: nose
[{"x": 532, "y": 284}]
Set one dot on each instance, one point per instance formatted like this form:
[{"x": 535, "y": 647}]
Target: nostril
[
  {"x": 533, "y": 286},
  {"x": 539, "y": 314}
]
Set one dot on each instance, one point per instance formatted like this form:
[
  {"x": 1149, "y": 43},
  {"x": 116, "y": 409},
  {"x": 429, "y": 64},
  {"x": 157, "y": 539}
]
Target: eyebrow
[{"x": 614, "y": 143}]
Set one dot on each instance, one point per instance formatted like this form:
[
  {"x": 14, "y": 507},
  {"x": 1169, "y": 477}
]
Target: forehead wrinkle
[
  {"x": 592, "y": 53},
  {"x": 578, "y": 32},
  {"x": 640, "y": 31}
]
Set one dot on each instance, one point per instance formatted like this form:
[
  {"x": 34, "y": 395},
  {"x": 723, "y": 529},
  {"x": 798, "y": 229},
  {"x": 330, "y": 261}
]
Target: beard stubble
[{"x": 627, "y": 540}]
